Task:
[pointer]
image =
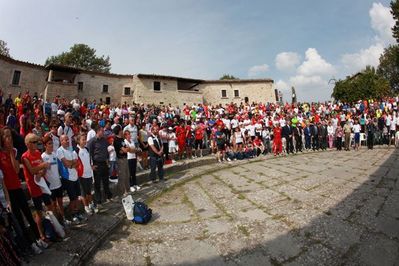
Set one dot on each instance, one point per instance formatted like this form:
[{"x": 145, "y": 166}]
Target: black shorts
[
  {"x": 87, "y": 186},
  {"x": 189, "y": 143},
  {"x": 198, "y": 144},
  {"x": 72, "y": 188},
  {"x": 38, "y": 201},
  {"x": 57, "y": 193},
  {"x": 221, "y": 147}
]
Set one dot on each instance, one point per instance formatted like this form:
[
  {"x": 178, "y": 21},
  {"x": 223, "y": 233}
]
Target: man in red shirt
[
  {"x": 34, "y": 170},
  {"x": 18, "y": 203}
]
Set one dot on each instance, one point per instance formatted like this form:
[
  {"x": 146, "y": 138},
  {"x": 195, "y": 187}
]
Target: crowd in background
[{"x": 78, "y": 147}]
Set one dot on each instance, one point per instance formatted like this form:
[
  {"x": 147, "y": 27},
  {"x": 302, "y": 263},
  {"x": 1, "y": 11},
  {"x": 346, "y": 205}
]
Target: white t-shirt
[
  {"x": 133, "y": 132},
  {"x": 84, "y": 156},
  {"x": 234, "y": 123},
  {"x": 130, "y": 155},
  {"x": 52, "y": 174},
  {"x": 356, "y": 128},
  {"x": 67, "y": 130},
  {"x": 69, "y": 155},
  {"x": 56, "y": 142},
  {"x": 91, "y": 134},
  {"x": 112, "y": 153}
]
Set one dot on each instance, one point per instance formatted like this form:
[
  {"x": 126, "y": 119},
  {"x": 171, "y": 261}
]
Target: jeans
[
  {"x": 19, "y": 206},
  {"x": 123, "y": 176},
  {"x": 101, "y": 177},
  {"x": 154, "y": 163},
  {"x": 132, "y": 171},
  {"x": 113, "y": 168}
]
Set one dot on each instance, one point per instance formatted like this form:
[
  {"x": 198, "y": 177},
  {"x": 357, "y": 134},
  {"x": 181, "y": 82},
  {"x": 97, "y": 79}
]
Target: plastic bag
[
  {"x": 128, "y": 204},
  {"x": 57, "y": 226}
]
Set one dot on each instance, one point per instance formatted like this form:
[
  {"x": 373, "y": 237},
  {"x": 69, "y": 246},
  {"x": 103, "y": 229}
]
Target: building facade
[{"x": 68, "y": 82}]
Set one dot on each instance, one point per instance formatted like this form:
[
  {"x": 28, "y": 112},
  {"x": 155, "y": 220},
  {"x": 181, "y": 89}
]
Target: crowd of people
[{"x": 78, "y": 147}]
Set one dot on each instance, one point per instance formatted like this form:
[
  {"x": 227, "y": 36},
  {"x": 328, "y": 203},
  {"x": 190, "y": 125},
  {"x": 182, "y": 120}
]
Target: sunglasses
[{"x": 34, "y": 142}]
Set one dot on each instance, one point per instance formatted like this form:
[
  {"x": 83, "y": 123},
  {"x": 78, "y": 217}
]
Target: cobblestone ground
[{"x": 323, "y": 208}]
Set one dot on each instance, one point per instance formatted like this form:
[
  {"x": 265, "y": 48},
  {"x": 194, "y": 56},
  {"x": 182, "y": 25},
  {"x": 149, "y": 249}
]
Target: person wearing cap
[{"x": 34, "y": 169}]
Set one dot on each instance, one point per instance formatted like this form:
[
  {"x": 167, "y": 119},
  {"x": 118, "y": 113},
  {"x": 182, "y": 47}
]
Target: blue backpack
[{"x": 141, "y": 213}]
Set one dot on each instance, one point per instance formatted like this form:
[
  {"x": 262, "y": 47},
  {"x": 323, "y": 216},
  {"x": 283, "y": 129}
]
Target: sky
[{"x": 306, "y": 44}]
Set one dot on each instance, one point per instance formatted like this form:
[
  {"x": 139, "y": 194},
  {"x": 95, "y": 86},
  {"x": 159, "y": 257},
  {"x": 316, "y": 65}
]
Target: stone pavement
[{"x": 322, "y": 208}]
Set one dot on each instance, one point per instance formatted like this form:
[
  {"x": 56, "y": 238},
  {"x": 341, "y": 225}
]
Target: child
[
  {"x": 113, "y": 166},
  {"x": 53, "y": 177},
  {"x": 172, "y": 143},
  {"x": 86, "y": 180}
]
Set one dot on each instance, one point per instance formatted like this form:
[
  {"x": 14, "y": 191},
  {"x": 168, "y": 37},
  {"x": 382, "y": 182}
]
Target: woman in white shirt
[
  {"x": 131, "y": 160},
  {"x": 330, "y": 132},
  {"x": 356, "y": 129}
]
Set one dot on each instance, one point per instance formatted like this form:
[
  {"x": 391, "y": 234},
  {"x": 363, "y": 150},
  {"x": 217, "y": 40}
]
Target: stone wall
[
  {"x": 33, "y": 78},
  {"x": 144, "y": 89},
  {"x": 93, "y": 86},
  {"x": 255, "y": 91}
]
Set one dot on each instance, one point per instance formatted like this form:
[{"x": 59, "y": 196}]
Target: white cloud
[
  {"x": 357, "y": 61},
  {"x": 258, "y": 70},
  {"x": 308, "y": 81},
  {"x": 314, "y": 64},
  {"x": 281, "y": 85},
  {"x": 381, "y": 22},
  {"x": 287, "y": 61}
]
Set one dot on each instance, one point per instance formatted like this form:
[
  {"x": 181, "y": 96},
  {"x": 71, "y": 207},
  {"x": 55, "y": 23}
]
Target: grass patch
[
  {"x": 241, "y": 197},
  {"x": 275, "y": 262},
  {"x": 148, "y": 261},
  {"x": 243, "y": 229}
]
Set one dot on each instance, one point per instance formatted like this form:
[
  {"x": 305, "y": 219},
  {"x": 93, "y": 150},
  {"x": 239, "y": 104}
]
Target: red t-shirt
[
  {"x": 35, "y": 159},
  {"x": 199, "y": 132},
  {"x": 11, "y": 178}
]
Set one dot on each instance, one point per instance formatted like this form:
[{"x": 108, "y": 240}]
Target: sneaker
[
  {"x": 228, "y": 159},
  {"x": 41, "y": 243},
  {"x": 219, "y": 161},
  {"x": 88, "y": 210},
  {"x": 36, "y": 249},
  {"x": 132, "y": 189},
  {"x": 75, "y": 220},
  {"x": 137, "y": 188},
  {"x": 94, "y": 207},
  {"x": 67, "y": 222},
  {"x": 173, "y": 161},
  {"x": 113, "y": 179},
  {"x": 81, "y": 217}
]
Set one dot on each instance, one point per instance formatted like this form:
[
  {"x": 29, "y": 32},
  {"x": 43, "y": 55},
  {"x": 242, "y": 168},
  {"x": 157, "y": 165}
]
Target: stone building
[{"x": 57, "y": 80}]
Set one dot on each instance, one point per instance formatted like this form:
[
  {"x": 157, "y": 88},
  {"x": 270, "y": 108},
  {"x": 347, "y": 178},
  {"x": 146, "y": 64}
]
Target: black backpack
[{"x": 141, "y": 213}]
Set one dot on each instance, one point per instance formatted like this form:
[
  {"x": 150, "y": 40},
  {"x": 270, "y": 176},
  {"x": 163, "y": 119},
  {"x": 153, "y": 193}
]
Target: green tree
[
  {"x": 389, "y": 66},
  {"x": 366, "y": 84},
  {"x": 4, "y": 50},
  {"x": 82, "y": 56},
  {"x": 227, "y": 76},
  {"x": 395, "y": 14}
]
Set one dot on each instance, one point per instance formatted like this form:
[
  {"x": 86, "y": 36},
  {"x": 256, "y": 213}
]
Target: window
[
  {"x": 105, "y": 88},
  {"x": 157, "y": 86},
  {"x": 107, "y": 100},
  {"x": 16, "y": 77},
  {"x": 236, "y": 93},
  {"x": 80, "y": 86},
  {"x": 127, "y": 91},
  {"x": 224, "y": 94}
]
